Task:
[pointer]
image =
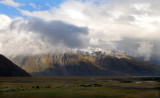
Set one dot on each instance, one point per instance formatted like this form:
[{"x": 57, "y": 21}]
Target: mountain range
[{"x": 85, "y": 63}]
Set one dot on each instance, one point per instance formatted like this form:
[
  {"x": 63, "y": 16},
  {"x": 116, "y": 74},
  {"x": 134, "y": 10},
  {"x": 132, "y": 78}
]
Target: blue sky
[{"x": 28, "y": 5}]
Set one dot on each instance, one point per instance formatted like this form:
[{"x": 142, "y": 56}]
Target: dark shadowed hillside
[
  {"x": 9, "y": 69},
  {"x": 132, "y": 67}
]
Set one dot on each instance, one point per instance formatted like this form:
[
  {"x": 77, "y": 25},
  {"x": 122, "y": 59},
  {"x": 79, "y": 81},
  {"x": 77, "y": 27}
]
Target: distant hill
[
  {"x": 81, "y": 63},
  {"x": 9, "y": 69},
  {"x": 131, "y": 67}
]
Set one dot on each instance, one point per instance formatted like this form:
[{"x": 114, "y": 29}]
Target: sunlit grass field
[{"x": 80, "y": 87}]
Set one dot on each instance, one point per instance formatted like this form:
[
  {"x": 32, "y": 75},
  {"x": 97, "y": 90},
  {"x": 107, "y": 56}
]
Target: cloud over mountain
[
  {"x": 128, "y": 25},
  {"x": 28, "y": 35},
  {"x": 55, "y": 32},
  {"x": 124, "y": 23}
]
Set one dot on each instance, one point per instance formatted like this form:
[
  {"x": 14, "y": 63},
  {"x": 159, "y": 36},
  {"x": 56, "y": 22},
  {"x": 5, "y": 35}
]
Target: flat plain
[{"x": 80, "y": 87}]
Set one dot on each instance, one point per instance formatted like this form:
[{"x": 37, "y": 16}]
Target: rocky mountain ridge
[{"x": 84, "y": 63}]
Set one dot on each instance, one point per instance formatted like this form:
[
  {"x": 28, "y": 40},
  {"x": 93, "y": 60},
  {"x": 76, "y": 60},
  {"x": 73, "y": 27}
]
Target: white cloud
[
  {"x": 114, "y": 20},
  {"x": 33, "y": 5},
  {"x": 10, "y": 3},
  {"x": 112, "y": 24},
  {"x": 21, "y": 36},
  {"x": 146, "y": 48},
  {"x": 4, "y": 21}
]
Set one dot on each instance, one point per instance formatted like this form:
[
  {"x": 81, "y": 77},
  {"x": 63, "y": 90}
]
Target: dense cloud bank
[
  {"x": 26, "y": 36},
  {"x": 131, "y": 26},
  {"x": 55, "y": 32}
]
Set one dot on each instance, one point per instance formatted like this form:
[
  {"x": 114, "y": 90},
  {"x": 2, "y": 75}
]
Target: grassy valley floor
[{"x": 80, "y": 87}]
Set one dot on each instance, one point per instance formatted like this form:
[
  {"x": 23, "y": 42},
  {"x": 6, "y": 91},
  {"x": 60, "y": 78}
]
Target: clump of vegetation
[
  {"x": 97, "y": 85},
  {"x": 37, "y": 87},
  {"x": 48, "y": 86},
  {"x": 126, "y": 81},
  {"x": 90, "y": 85}
]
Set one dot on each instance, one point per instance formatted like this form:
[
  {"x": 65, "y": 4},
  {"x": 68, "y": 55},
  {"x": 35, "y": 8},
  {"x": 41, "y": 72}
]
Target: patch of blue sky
[
  {"x": 9, "y": 11},
  {"x": 26, "y": 5},
  {"x": 99, "y": 2},
  {"x": 39, "y": 4}
]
